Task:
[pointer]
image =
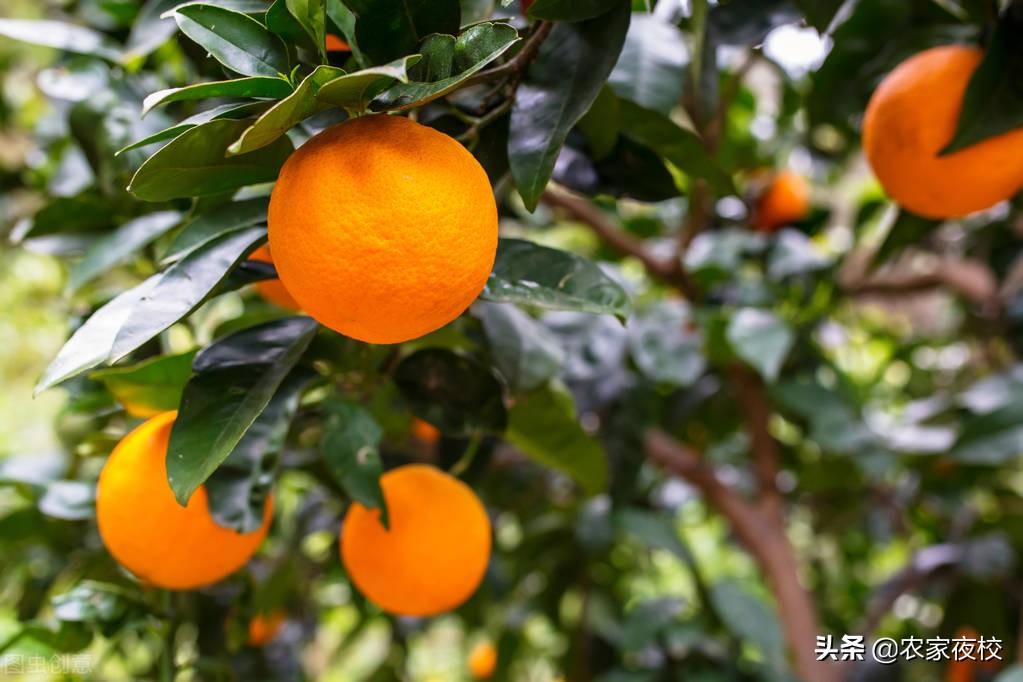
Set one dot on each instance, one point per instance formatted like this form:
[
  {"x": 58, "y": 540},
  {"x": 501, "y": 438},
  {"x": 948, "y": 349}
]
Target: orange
[
  {"x": 148, "y": 532},
  {"x": 264, "y": 627},
  {"x": 968, "y": 670},
  {"x": 272, "y": 289},
  {"x": 383, "y": 229},
  {"x": 335, "y": 44},
  {"x": 424, "y": 431},
  {"x": 912, "y": 116},
  {"x": 786, "y": 200},
  {"x": 434, "y": 555},
  {"x": 483, "y": 660}
]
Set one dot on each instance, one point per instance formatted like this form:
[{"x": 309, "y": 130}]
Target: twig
[
  {"x": 753, "y": 402},
  {"x": 765, "y": 540},
  {"x": 717, "y": 123},
  {"x": 520, "y": 62},
  {"x": 972, "y": 279}
]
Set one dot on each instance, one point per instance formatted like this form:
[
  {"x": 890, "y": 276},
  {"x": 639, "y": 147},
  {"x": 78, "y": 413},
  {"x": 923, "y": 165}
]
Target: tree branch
[
  {"x": 518, "y": 64},
  {"x": 756, "y": 409},
  {"x": 971, "y": 279},
  {"x": 766, "y": 541}
]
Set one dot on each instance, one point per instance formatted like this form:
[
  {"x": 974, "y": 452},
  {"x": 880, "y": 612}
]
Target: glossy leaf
[
  {"x": 60, "y": 35},
  {"x": 236, "y": 40},
  {"x": 569, "y": 10},
  {"x": 351, "y": 449},
  {"x": 115, "y": 247},
  {"x": 762, "y": 339},
  {"x": 91, "y": 602},
  {"x": 354, "y": 91},
  {"x": 182, "y": 288},
  {"x": 83, "y": 213},
  {"x": 600, "y": 126},
  {"x": 151, "y": 386},
  {"x": 195, "y": 163},
  {"x": 572, "y": 66},
  {"x": 451, "y": 391},
  {"x": 993, "y": 102},
  {"x": 530, "y": 274},
  {"x": 543, "y": 424},
  {"x": 215, "y": 223},
  {"x": 233, "y": 111},
  {"x": 279, "y": 119},
  {"x": 312, "y": 15},
  {"x": 235, "y": 378},
  {"x": 255, "y": 86},
  {"x": 239, "y": 487},
  {"x": 525, "y": 352},
  {"x": 464, "y": 56},
  {"x": 389, "y": 29},
  {"x": 683, "y": 148},
  {"x": 651, "y": 69},
  {"x": 666, "y": 344}
]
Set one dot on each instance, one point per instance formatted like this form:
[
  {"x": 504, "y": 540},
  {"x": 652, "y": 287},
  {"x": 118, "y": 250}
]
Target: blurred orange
[
  {"x": 786, "y": 200},
  {"x": 335, "y": 44},
  {"x": 264, "y": 627}
]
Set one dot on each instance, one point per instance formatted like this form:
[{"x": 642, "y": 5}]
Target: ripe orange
[
  {"x": 434, "y": 555},
  {"x": 786, "y": 200},
  {"x": 272, "y": 289},
  {"x": 148, "y": 532},
  {"x": 335, "y": 44},
  {"x": 383, "y": 229},
  {"x": 264, "y": 627},
  {"x": 912, "y": 115},
  {"x": 483, "y": 660},
  {"x": 425, "y": 431}
]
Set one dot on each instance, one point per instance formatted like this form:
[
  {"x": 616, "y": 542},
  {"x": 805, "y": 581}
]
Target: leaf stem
[{"x": 465, "y": 461}]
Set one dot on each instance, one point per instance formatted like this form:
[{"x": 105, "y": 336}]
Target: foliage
[{"x": 626, "y": 143}]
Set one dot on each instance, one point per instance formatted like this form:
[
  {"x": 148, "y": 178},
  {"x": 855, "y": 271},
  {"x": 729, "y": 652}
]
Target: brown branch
[
  {"x": 756, "y": 409},
  {"x": 518, "y": 64},
  {"x": 728, "y": 95},
  {"x": 583, "y": 210},
  {"x": 971, "y": 279},
  {"x": 766, "y": 541}
]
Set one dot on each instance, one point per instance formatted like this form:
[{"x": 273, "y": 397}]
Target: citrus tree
[{"x": 553, "y": 340}]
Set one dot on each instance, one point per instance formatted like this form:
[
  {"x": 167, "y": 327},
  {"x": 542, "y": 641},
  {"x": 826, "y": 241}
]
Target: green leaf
[
  {"x": 115, "y": 247},
  {"x": 714, "y": 257},
  {"x": 530, "y": 274},
  {"x": 453, "y": 392},
  {"x": 351, "y": 449},
  {"x": 83, "y": 213},
  {"x": 683, "y": 148},
  {"x": 993, "y": 102},
  {"x": 652, "y": 68},
  {"x": 525, "y": 352},
  {"x": 240, "y": 485},
  {"x": 91, "y": 343},
  {"x": 762, "y": 339},
  {"x": 290, "y": 111},
  {"x": 235, "y": 378},
  {"x": 465, "y": 56},
  {"x": 751, "y": 620},
  {"x": 655, "y": 530},
  {"x": 312, "y": 15},
  {"x": 819, "y": 13},
  {"x": 994, "y": 438},
  {"x": 236, "y": 40},
  {"x": 666, "y": 344},
  {"x": 601, "y": 124},
  {"x": 572, "y": 66},
  {"x": 386, "y": 30},
  {"x": 151, "y": 386},
  {"x": 69, "y": 500},
  {"x": 645, "y": 622},
  {"x": 61, "y": 35},
  {"x": 215, "y": 223},
  {"x": 283, "y": 23},
  {"x": 569, "y": 10},
  {"x": 256, "y": 86},
  {"x": 91, "y": 602},
  {"x": 793, "y": 253},
  {"x": 150, "y": 29},
  {"x": 354, "y": 91},
  {"x": 543, "y": 424},
  {"x": 182, "y": 288},
  {"x": 195, "y": 163},
  {"x": 232, "y": 111}
]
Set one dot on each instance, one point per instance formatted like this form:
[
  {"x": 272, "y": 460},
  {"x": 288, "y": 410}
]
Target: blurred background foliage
[{"x": 885, "y": 343}]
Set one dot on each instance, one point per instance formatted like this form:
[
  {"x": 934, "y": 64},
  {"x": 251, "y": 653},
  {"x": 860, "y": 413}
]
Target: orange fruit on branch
[
  {"x": 263, "y": 627},
  {"x": 913, "y": 115},
  {"x": 483, "y": 660},
  {"x": 271, "y": 289},
  {"x": 149, "y": 533},
  {"x": 433, "y": 556},
  {"x": 383, "y": 229},
  {"x": 335, "y": 44},
  {"x": 786, "y": 200}
]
